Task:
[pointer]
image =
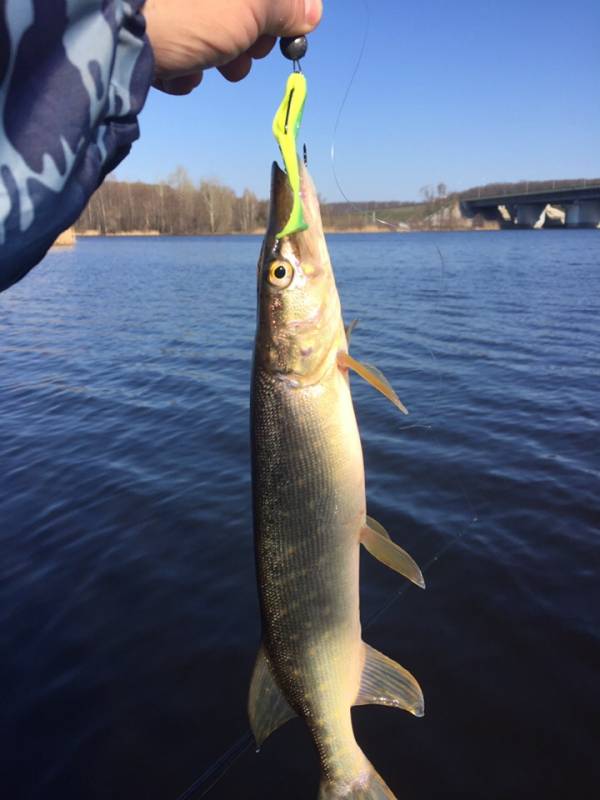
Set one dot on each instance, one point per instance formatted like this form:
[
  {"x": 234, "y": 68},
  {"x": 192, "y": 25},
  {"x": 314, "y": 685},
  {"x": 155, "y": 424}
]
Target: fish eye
[{"x": 281, "y": 274}]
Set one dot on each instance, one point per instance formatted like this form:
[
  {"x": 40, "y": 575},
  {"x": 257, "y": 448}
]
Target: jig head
[{"x": 286, "y": 125}]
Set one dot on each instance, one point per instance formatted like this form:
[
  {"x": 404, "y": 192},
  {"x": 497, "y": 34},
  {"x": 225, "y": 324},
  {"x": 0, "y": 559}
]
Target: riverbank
[
  {"x": 66, "y": 238},
  {"x": 94, "y": 232},
  {"x": 369, "y": 229}
]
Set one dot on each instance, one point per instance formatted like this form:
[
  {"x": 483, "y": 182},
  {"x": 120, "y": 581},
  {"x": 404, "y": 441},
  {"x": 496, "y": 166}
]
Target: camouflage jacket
[{"x": 74, "y": 75}]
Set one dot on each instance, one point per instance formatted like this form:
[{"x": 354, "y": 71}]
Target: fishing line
[
  {"x": 357, "y": 66},
  {"x": 221, "y": 766},
  {"x": 217, "y": 770},
  {"x": 473, "y": 512},
  {"x": 381, "y": 221},
  {"x": 425, "y": 571}
]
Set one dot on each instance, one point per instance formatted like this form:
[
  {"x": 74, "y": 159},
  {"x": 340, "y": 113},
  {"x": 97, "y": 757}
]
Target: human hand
[{"x": 189, "y": 36}]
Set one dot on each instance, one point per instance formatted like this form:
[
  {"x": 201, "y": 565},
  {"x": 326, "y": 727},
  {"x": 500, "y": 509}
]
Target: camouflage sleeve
[{"x": 74, "y": 75}]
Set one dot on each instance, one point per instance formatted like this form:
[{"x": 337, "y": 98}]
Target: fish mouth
[{"x": 282, "y": 199}]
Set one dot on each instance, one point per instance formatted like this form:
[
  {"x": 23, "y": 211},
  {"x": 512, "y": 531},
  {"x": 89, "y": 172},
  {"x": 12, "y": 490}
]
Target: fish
[{"x": 309, "y": 509}]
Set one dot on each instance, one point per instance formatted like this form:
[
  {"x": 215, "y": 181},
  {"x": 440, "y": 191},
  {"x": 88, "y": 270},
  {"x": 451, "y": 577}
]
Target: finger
[
  {"x": 262, "y": 47},
  {"x": 293, "y": 17},
  {"x": 178, "y": 86},
  {"x": 237, "y": 69}
]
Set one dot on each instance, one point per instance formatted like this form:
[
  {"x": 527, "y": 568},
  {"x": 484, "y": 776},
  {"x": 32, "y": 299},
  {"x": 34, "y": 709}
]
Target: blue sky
[{"x": 464, "y": 92}]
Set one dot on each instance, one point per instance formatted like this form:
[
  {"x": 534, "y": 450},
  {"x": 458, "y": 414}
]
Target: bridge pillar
[
  {"x": 583, "y": 214},
  {"x": 505, "y": 214},
  {"x": 555, "y": 217},
  {"x": 530, "y": 215}
]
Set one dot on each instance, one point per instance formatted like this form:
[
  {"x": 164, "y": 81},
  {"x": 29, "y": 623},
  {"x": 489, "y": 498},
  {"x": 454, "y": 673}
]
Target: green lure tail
[{"x": 286, "y": 125}]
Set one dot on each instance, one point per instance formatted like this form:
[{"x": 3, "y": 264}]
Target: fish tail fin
[{"x": 368, "y": 786}]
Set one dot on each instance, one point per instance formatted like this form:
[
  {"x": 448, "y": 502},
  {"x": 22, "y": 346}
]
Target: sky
[{"x": 466, "y": 93}]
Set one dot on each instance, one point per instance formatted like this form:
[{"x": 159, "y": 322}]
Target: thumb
[{"x": 290, "y": 17}]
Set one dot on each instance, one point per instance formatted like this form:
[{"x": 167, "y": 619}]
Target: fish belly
[{"x": 309, "y": 508}]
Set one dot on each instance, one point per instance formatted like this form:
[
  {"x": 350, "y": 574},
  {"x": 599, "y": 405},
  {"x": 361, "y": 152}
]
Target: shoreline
[
  {"x": 91, "y": 233},
  {"x": 260, "y": 232},
  {"x": 66, "y": 238}
]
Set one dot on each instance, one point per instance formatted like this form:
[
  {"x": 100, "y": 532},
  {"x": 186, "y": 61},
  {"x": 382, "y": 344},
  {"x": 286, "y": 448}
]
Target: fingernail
[{"x": 312, "y": 11}]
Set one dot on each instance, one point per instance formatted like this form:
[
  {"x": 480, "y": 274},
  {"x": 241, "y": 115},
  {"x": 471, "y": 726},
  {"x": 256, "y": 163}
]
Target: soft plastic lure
[{"x": 286, "y": 125}]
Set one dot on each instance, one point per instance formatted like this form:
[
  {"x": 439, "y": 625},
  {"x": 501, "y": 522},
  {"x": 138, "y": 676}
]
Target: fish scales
[{"x": 309, "y": 506}]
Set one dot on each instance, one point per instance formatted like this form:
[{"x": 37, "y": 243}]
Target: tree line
[
  {"x": 174, "y": 207},
  {"x": 178, "y": 207}
]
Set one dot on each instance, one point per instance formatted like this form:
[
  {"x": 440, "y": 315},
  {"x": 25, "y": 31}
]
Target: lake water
[{"x": 129, "y": 620}]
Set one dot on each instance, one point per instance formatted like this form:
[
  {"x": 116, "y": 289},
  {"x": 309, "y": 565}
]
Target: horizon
[{"x": 465, "y": 96}]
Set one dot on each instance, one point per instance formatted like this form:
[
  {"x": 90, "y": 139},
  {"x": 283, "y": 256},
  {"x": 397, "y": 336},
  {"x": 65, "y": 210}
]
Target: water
[{"x": 129, "y": 620}]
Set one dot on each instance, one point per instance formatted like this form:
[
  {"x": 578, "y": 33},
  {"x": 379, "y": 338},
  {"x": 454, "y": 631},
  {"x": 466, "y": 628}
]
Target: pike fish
[{"x": 310, "y": 510}]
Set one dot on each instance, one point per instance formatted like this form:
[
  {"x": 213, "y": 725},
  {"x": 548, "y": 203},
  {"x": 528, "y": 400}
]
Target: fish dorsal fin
[
  {"x": 267, "y": 707},
  {"x": 377, "y": 541},
  {"x": 373, "y": 376},
  {"x": 385, "y": 683},
  {"x": 350, "y": 330}
]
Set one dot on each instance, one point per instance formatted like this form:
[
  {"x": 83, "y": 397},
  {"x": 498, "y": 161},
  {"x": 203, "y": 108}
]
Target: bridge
[{"x": 565, "y": 206}]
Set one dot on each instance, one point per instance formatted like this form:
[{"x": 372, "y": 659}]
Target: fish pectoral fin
[
  {"x": 378, "y": 527},
  {"x": 267, "y": 707},
  {"x": 385, "y": 683},
  {"x": 350, "y": 330},
  {"x": 373, "y": 376},
  {"x": 377, "y": 541}
]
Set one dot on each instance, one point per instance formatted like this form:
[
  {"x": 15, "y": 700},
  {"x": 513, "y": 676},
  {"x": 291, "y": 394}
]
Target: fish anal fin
[
  {"x": 373, "y": 376},
  {"x": 386, "y": 683},
  {"x": 377, "y": 541},
  {"x": 267, "y": 707}
]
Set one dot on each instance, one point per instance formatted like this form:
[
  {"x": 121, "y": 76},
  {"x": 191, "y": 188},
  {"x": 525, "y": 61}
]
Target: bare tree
[
  {"x": 218, "y": 202},
  {"x": 247, "y": 211},
  {"x": 177, "y": 207}
]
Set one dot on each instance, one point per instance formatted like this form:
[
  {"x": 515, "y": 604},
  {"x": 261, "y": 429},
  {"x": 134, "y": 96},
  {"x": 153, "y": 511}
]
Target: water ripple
[{"x": 128, "y": 612}]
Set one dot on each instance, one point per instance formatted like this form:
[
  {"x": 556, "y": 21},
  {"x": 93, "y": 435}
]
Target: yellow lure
[{"x": 286, "y": 125}]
